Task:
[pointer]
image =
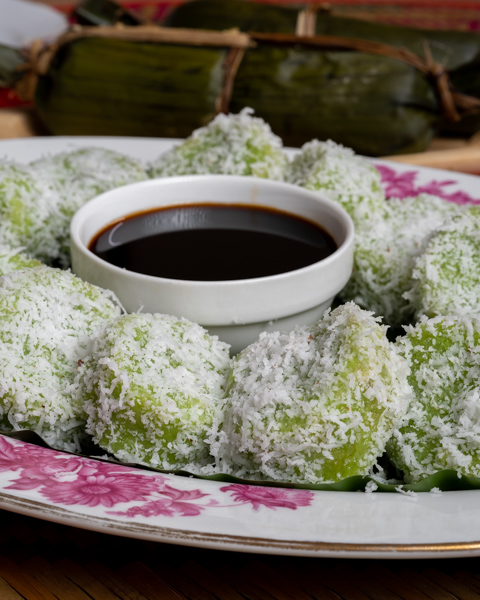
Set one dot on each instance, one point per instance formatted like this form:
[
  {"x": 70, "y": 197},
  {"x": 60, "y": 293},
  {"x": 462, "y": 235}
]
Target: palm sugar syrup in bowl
[
  {"x": 234, "y": 301},
  {"x": 183, "y": 241}
]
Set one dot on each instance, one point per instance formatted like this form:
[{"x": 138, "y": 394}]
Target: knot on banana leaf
[
  {"x": 37, "y": 61},
  {"x": 307, "y": 18},
  {"x": 439, "y": 75}
]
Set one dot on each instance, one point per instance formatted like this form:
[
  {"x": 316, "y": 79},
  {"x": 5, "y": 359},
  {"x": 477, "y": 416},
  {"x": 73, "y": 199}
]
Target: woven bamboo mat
[{"x": 45, "y": 561}]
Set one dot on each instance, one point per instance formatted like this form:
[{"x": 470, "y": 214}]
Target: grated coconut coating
[
  {"x": 15, "y": 260},
  {"x": 446, "y": 277},
  {"x": 73, "y": 178},
  {"x": 231, "y": 144},
  {"x": 47, "y": 318},
  {"x": 385, "y": 252},
  {"x": 342, "y": 176},
  {"x": 442, "y": 427},
  {"x": 314, "y": 405},
  {"x": 151, "y": 389},
  {"x": 28, "y": 213}
]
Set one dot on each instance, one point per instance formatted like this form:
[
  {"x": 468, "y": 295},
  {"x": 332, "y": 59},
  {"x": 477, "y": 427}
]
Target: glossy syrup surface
[{"x": 213, "y": 242}]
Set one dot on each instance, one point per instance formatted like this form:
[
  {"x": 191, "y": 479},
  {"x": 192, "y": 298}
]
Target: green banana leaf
[
  {"x": 374, "y": 104},
  {"x": 453, "y": 49},
  {"x": 105, "y": 12},
  {"x": 230, "y": 14},
  {"x": 457, "y": 51},
  {"x": 10, "y": 60},
  {"x": 443, "y": 480},
  {"x": 136, "y": 89}
]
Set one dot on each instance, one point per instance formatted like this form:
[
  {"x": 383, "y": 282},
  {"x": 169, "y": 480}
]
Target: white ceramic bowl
[{"x": 239, "y": 310}]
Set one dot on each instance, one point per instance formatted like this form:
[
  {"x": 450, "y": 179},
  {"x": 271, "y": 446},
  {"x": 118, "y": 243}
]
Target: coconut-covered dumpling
[
  {"x": 27, "y": 212},
  {"x": 15, "y": 259},
  {"x": 441, "y": 429},
  {"x": 47, "y": 317},
  {"x": 86, "y": 172},
  {"x": 152, "y": 387},
  {"x": 341, "y": 175},
  {"x": 446, "y": 277},
  {"x": 385, "y": 253},
  {"x": 234, "y": 144},
  {"x": 74, "y": 177},
  {"x": 314, "y": 405}
]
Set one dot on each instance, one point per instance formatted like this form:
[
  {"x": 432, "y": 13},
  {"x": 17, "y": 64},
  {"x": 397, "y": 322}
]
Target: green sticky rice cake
[
  {"x": 389, "y": 234},
  {"x": 441, "y": 429},
  {"x": 47, "y": 318},
  {"x": 315, "y": 405},
  {"x": 151, "y": 389},
  {"x": 86, "y": 172},
  {"x": 340, "y": 175},
  {"x": 446, "y": 277},
  {"x": 28, "y": 215},
  {"x": 385, "y": 254},
  {"x": 74, "y": 177},
  {"x": 239, "y": 144},
  {"x": 14, "y": 260}
]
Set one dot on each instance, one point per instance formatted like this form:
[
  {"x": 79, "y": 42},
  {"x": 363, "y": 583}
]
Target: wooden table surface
[
  {"x": 46, "y": 561},
  {"x": 40, "y": 560}
]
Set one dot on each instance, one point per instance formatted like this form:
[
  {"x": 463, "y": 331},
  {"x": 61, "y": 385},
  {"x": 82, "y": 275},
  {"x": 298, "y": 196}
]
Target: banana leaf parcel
[
  {"x": 457, "y": 51},
  {"x": 166, "y": 81}
]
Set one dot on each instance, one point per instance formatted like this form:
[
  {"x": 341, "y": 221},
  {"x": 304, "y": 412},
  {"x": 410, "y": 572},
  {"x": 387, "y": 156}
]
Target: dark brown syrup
[{"x": 213, "y": 242}]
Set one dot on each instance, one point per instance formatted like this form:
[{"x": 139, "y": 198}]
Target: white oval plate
[{"x": 121, "y": 500}]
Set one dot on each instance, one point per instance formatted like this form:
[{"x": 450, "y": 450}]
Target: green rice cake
[
  {"x": 74, "y": 177},
  {"x": 14, "y": 260},
  {"x": 446, "y": 277},
  {"x": 340, "y": 175},
  {"x": 315, "y": 405},
  {"x": 47, "y": 318},
  {"x": 441, "y": 429},
  {"x": 152, "y": 387},
  {"x": 385, "y": 253},
  {"x": 239, "y": 144}
]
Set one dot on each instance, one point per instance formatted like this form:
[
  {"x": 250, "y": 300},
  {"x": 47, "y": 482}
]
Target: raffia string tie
[
  {"x": 440, "y": 76},
  {"x": 307, "y": 18}
]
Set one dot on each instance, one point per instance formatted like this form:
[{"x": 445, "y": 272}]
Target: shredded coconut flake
[
  {"x": 342, "y": 176},
  {"x": 237, "y": 144},
  {"x": 47, "y": 321},
  {"x": 314, "y": 405},
  {"x": 151, "y": 388},
  {"x": 385, "y": 251},
  {"x": 441, "y": 429},
  {"x": 405, "y": 492},
  {"x": 446, "y": 275}
]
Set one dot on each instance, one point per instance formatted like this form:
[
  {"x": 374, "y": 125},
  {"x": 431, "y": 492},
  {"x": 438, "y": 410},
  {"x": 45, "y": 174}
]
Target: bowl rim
[{"x": 105, "y": 197}]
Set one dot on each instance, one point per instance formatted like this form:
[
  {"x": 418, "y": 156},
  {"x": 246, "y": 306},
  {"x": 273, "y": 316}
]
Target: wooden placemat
[{"x": 40, "y": 560}]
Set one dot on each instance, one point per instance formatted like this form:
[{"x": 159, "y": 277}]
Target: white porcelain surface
[
  {"x": 132, "y": 502},
  {"x": 22, "y": 22},
  {"x": 242, "y": 518},
  {"x": 238, "y": 310}
]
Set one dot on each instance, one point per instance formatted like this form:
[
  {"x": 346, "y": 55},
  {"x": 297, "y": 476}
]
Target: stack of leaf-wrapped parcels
[{"x": 377, "y": 88}]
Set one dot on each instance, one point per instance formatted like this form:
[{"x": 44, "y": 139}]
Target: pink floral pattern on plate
[
  {"x": 267, "y": 496},
  {"x": 67, "y": 480},
  {"x": 404, "y": 184}
]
